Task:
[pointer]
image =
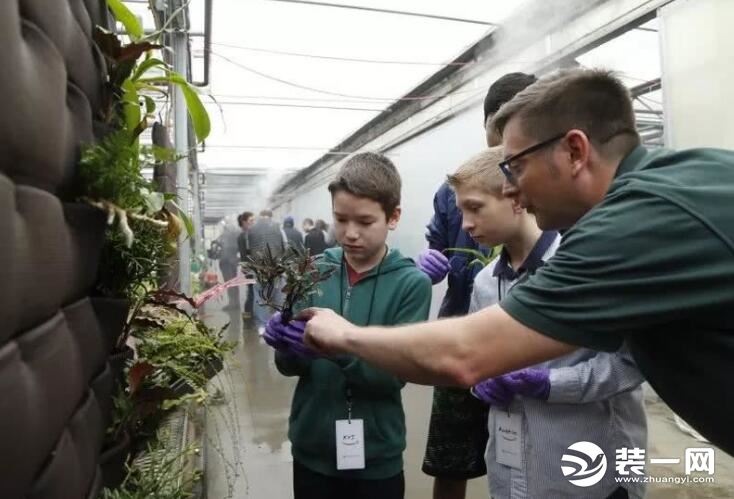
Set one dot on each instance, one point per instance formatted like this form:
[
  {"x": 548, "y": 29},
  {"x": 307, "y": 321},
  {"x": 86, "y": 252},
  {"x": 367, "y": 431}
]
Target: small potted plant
[{"x": 296, "y": 272}]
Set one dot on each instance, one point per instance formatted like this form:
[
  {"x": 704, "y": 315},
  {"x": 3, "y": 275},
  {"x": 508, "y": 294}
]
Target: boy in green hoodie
[{"x": 347, "y": 425}]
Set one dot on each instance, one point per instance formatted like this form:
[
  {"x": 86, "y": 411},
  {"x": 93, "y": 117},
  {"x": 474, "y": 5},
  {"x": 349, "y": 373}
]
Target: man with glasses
[{"x": 648, "y": 260}]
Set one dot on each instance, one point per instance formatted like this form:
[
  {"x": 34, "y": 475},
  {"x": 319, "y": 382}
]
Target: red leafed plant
[{"x": 295, "y": 270}]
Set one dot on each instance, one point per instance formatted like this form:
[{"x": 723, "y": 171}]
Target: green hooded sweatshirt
[{"x": 399, "y": 294}]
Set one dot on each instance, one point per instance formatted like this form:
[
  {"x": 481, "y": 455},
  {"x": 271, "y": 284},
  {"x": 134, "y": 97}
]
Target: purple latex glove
[
  {"x": 434, "y": 264},
  {"x": 287, "y": 338},
  {"x": 531, "y": 382},
  {"x": 273, "y": 333},
  {"x": 493, "y": 392}
]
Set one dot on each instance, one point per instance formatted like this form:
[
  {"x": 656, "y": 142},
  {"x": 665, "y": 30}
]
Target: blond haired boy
[{"x": 538, "y": 412}]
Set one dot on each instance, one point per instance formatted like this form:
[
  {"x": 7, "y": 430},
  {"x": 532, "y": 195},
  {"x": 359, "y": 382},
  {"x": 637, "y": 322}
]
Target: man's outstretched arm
[{"x": 458, "y": 351}]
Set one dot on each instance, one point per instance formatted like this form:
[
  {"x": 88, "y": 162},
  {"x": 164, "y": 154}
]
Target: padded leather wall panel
[
  {"x": 55, "y": 383},
  {"x": 42, "y": 273},
  {"x": 75, "y": 457},
  {"x": 88, "y": 338},
  {"x": 36, "y": 135},
  {"x": 86, "y": 227}
]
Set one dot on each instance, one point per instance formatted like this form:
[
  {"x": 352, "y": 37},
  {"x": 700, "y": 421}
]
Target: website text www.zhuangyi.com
[{"x": 675, "y": 480}]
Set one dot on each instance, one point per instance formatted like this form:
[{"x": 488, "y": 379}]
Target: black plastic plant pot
[
  {"x": 113, "y": 461},
  {"x": 213, "y": 367},
  {"x": 87, "y": 233},
  {"x": 118, "y": 361},
  {"x": 180, "y": 388},
  {"x": 112, "y": 315}
]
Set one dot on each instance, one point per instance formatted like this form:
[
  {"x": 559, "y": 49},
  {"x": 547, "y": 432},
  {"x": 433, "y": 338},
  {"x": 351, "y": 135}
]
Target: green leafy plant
[
  {"x": 295, "y": 270},
  {"x": 479, "y": 257},
  {"x": 128, "y": 270},
  {"x": 165, "y": 476},
  {"x": 177, "y": 355},
  {"x": 182, "y": 350},
  {"x": 131, "y": 79},
  {"x": 110, "y": 176}
]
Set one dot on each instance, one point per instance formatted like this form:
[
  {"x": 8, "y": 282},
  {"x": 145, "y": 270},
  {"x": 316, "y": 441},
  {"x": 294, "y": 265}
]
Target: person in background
[
  {"x": 264, "y": 234},
  {"x": 457, "y": 432},
  {"x": 314, "y": 239},
  {"x": 292, "y": 235},
  {"x": 229, "y": 261},
  {"x": 584, "y": 396},
  {"x": 374, "y": 285},
  {"x": 329, "y": 237},
  {"x": 247, "y": 219}
]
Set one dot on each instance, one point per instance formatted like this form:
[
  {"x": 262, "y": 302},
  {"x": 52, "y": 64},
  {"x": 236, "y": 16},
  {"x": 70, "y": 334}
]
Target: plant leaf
[
  {"x": 146, "y": 66},
  {"x": 130, "y": 106},
  {"x": 107, "y": 42},
  {"x": 188, "y": 224},
  {"x": 197, "y": 111},
  {"x": 133, "y": 51},
  {"x": 127, "y": 18},
  {"x": 149, "y": 104},
  {"x": 137, "y": 373},
  {"x": 154, "y": 201}
]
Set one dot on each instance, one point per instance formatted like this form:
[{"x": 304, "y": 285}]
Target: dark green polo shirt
[{"x": 652, "y": 265}]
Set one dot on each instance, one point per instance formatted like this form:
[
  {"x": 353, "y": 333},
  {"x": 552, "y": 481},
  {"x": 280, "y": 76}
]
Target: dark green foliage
[
  {"x": 295, "y": 269},
  {"x": 183, "y": 350},
  {"x": 110, "y": 170},
  {"x": 165, "y": 477},
  {"x": 479, "y": 257},
  {"x": 124, "y": 271}
]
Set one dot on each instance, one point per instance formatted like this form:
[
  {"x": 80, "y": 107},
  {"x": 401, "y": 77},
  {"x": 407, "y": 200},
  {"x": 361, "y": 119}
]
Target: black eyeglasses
[{"x": 505, "y": 164}]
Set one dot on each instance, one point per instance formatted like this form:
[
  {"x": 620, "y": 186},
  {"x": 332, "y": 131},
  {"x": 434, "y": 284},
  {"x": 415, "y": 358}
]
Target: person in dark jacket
[
  {"x": 247, "y": 219},
  {"x": 229, "y": 260},
  {"x": 265, "y": 234},
  {"x": 457, "y": 433},
  {"x": 293, "y": 235},
  {"x": 315, "y": 241}
]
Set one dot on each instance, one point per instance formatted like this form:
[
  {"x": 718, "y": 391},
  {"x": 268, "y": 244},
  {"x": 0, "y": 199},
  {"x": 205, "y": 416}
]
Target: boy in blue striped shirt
[{"x": 538, "y": 412}]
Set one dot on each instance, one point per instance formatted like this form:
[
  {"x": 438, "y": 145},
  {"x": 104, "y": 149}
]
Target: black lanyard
[{"x": 347, "y": 388}]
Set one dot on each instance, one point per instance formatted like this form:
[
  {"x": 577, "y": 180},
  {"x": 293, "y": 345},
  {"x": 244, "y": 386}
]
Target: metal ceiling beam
[{"x": 389, "y": 11}]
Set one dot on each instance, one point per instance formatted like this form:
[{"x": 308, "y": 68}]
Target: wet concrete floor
[{"x": 248, "y": 453}]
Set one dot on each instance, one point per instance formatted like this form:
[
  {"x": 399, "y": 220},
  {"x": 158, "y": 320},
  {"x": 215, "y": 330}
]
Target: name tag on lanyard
[
  {"x": 350, "y": 444},
  {"x": 508, "y": 438}
]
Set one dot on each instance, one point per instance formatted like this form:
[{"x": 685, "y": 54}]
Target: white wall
[
  {"x": 423, "y": 163},
  {"x": 697, "y": 51}
]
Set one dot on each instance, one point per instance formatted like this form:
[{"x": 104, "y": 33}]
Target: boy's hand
[
  {"x": 325, "y": 330},
  {"x": 531, "y": 382},
  {"x": 287, "y": 338},
  {"x": 493, "y": 392},
  {"x": 434, "y": 264}
]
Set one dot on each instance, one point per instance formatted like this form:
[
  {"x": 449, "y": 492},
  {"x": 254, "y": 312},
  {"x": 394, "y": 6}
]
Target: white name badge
[
  {"x": 508, "y": 438},
  {"x": 350, "y": 444}
]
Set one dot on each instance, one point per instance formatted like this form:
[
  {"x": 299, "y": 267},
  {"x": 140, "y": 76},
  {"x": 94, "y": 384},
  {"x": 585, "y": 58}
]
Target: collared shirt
[
  {"x": 534, "y": 260},
  {"x": 594, "y": 397},
  {"x": 652, "y": 266}
]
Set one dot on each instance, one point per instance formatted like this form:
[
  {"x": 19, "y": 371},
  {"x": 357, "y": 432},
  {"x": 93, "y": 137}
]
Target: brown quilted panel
[{"x": 55, "y": 383}]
